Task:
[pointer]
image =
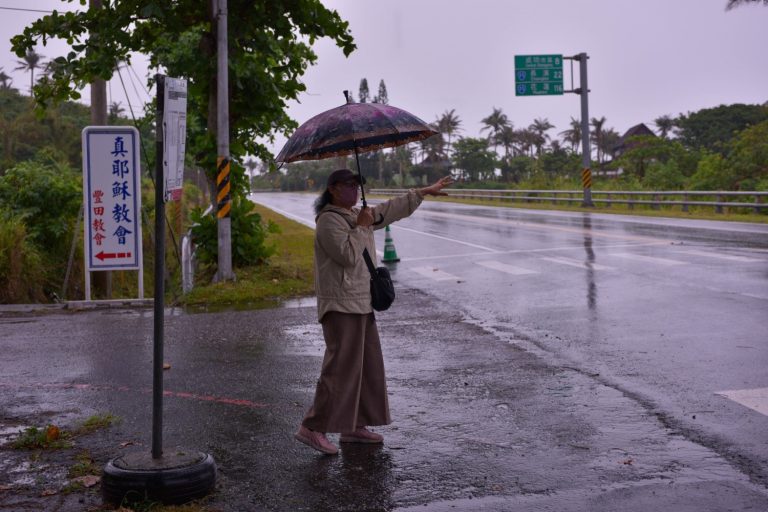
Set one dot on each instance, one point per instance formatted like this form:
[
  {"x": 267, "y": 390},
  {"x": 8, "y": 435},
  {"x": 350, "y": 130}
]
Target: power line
[{"x": 24, "y": 10}]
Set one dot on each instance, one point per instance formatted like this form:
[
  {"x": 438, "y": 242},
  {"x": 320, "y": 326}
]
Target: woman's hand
[
  {"x": 365, "y": 217},
  {"x": 436, "y": 189}
]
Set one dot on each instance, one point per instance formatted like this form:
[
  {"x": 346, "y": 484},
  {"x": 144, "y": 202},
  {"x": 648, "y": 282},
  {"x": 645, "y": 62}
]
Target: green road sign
[{"x": 537, "y": 75}]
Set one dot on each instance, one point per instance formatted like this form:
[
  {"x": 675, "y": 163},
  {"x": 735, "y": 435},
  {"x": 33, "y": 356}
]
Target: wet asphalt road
[{"x": 545, "y": 390}]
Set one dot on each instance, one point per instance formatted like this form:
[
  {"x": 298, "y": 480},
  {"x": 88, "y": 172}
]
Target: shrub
[
  {"x": 21, "y": 274},
  {"x": 249, "y": 235}
]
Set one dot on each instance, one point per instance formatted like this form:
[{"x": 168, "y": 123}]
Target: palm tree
[
  {"x": 572, "y": 135},
  {"x": 665, "y": 125},
  {"x": 507, "y": 138},
  {"x": 31, "y": 61},
  {"x": 610, "y": 138},
  {"x": 6, "y": 81},
  {"x": 527, "y": 139},
  {"x": 597, "y": 136},
  {"x": 449, "y": 124},
  {"x": 114, "y": 111},
  {"x": 539, "y": 128},
  {"x": 495, "y": 123}
]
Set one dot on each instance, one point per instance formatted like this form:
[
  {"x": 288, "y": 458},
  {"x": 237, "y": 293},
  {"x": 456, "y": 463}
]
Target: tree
[
  {"x": 364, "y": 94},
  {"x": 473, "y": 156},
  {"x": 382, "y": 97},
  {"x": 507, "y": 138},
  {"x": 268, "y": 53},
  {"x": 572, "y": 136},
  {"x": 713, "y": 128},
  {"x": 748, "y": 158},
  {"x": 597, "y": 136},
  {"x": 539, "y": 128},
  {"x": 610, "y": 139},
  {"x": 115, "y": 111},
  {"x": 738, "y": 3},
  {"x": 449, "y": 124},
  {"x": 495, "y": 123},
  {"x": 6, "y": 81},
  {"x": 665, "y": 125},
  {"x": 31, "y": 60}
]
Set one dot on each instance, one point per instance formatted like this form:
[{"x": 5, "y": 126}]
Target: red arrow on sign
[{"x": 111, "y": 255}]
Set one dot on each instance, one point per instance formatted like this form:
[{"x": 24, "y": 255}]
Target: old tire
[{"x": 170, "y": 486}]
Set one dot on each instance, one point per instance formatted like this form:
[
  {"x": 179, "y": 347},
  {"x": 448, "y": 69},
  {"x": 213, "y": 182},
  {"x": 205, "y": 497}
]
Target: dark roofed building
[{"x": 624, "y": 142}]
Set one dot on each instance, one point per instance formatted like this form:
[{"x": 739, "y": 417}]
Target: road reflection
[
  {"x": 590, "y": 262},
  {"x": 360, "y": 478}
]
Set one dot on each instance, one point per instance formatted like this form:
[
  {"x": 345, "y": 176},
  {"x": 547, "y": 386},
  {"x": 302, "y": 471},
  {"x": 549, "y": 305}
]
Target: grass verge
[{"x": 289, "y": 273}]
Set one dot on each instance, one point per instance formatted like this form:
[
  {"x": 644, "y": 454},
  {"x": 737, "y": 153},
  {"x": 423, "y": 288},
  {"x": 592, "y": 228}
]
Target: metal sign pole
[
  {"x": 586, "y": 173},
  {"x": 157, "y": 367}
]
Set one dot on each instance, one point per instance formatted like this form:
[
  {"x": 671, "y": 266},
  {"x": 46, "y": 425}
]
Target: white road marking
[
  {"x": 579, "y": 247},
  {"x": 435, "y": 274},
  {"x": 508, "y": 269},
  {"x": 721, "y": 256},
  {"x": 306, "y": 222},
  {"x": 577, "y": 263},
  {"x": 649, "y": 259},
  {"x": 424, "y": 233},
  {"x": 756, "y": 399},
  {"x": 511, "y": 223}
]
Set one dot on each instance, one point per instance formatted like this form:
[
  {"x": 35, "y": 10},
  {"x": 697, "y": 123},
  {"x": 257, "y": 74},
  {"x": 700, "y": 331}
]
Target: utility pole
[
  {"x": 102, "y": 281},
  {"x": 586, "y": 152},
  {"x": 223, "y": 198}
]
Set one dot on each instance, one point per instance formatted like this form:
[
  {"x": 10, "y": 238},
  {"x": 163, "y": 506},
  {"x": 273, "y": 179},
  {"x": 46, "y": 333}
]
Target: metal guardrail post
[
  {"x": 685, "y": 202},
  {"x": 758, "y": 200},
  {"x": 719, "y": 207},
  {"x": 655, "y": 205}
]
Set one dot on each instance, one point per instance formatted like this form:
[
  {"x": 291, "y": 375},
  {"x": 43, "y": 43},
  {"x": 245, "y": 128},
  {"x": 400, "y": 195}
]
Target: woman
[{"x": 351, "y": 392}]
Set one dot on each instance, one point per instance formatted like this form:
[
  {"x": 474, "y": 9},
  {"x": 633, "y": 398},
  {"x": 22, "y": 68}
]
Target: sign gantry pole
[
  {"x": 586, "y": 172},
  {"x": 542, "y": 75}
]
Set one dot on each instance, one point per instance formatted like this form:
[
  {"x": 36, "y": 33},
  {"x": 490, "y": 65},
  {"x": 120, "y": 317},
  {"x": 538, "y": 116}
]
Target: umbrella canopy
[{"x": 353, "y": 128}]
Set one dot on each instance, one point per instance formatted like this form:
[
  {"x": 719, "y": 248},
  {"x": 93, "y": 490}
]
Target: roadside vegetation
[{"x": 721, "y": 148}]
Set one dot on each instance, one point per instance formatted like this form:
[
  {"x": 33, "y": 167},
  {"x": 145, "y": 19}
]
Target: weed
[
  {"x": 97, "y": 422},
  {"x": 84, "y": 466},
  {"x": 48, "y": 438}
]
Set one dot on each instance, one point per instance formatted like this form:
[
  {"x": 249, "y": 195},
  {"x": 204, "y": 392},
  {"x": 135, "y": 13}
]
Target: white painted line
[
  {"x": 576, "y": 263},
  {"x": 756, "y": 399},
  {"x": 447, "y": 239},
  {"x": 306, "y": 222},
  {"x": 435, "y": 274},
  {"x": 721, "y": 256},
  {"x": 509, "y": 269},
  {"x": 576, "y": 247},
  {"x": 649, "y": 259}
]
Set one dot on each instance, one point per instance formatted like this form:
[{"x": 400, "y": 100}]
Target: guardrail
[{"x": 683, "y": 198}]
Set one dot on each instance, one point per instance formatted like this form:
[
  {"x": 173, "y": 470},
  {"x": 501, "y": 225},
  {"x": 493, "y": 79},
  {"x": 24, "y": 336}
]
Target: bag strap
[{"x": 371, "y": 267}]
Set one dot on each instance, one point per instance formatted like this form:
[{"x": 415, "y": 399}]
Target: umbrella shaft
[{"x": 360, "y": 173}]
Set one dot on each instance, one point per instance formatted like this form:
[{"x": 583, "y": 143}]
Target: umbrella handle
[{"x": 360, "y": 173}]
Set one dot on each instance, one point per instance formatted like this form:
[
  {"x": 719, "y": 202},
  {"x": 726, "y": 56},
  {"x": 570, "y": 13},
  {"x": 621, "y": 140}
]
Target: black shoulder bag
[{"x": 382, "y": 289}]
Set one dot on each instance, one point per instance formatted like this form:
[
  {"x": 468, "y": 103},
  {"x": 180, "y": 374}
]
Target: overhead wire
[{"x": 151, "y": 176}]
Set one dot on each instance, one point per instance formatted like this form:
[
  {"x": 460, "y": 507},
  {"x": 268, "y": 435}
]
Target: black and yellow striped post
[
  {"x": 223, "y": 199},
  {"x": 586, "y": 183}
]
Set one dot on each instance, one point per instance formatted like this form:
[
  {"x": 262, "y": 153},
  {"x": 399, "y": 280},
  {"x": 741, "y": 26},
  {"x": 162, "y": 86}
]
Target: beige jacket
[{"x": 342, "y": 279}]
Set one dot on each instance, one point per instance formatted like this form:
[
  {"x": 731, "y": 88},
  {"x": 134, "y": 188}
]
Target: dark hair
[{"x": 323, "y": 200}]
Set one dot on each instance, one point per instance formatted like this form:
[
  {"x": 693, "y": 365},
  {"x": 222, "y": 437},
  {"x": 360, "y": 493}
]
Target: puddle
[{"x": 8, "y": 433}]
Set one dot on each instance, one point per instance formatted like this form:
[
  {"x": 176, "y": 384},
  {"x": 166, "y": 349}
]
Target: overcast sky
[{"x": 647, "y": 58}]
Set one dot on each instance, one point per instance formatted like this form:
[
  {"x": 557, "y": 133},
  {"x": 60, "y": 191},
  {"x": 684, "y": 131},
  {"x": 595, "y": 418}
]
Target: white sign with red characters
[{"x": 112, "y": 198}]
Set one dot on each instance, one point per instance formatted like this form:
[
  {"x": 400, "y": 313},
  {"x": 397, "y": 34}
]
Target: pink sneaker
[
  {"x": 316, "y": 440},
  {"x": 362, "y": 435}
]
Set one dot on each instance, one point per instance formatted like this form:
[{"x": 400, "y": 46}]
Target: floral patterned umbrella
[{"x": 353, "y": 128}]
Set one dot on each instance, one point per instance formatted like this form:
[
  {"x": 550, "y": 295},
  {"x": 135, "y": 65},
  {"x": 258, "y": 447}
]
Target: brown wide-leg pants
[{"x": 352, "y": 389}]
